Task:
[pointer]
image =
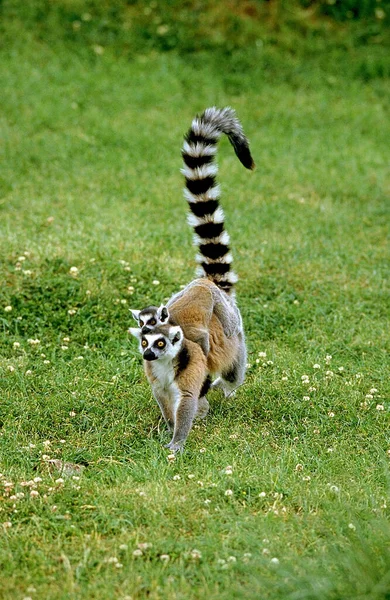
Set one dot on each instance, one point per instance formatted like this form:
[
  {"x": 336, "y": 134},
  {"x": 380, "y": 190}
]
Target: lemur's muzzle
[
  {"x": 149, "y": 355},
  {"x": 146, "y": 329}
]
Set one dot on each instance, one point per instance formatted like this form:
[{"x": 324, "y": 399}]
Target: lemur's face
[
  {"x": 164, "y": 342},
  {"x": 151, "y": 317}
]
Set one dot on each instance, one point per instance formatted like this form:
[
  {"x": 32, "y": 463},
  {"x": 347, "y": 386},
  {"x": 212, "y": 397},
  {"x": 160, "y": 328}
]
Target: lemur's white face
[
  {"x": 151, "y": 317},
  {"x": 164, "y": 343}
]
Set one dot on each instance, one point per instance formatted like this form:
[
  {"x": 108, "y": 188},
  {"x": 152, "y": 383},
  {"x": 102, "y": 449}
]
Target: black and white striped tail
[{"x": 202, "y": 191}]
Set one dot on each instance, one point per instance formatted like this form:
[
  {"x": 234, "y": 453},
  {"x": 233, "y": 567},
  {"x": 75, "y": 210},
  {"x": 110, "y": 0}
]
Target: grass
[{"x": 90, "y": 178}]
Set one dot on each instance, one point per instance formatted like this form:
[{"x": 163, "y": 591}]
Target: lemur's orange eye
[
  {"x": 144, "y": 343},
  {"x": 152, "y": 322},
  {"x": 161, "y": 343},
  {"x": 141, "y": 323}
]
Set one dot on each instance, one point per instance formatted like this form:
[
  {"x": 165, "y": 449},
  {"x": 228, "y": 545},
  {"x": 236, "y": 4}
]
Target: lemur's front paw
[{"x": 175, "y": 446}]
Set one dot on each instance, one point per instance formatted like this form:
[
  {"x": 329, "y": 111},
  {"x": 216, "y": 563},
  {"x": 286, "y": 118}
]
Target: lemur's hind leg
[
  {"x": 233, "y": 377},
  {"x": 203, "y": 408}
]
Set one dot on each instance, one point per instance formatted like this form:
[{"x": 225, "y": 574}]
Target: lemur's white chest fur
[
  {"x": 164, "y": 373},
  {"x": 164, "y": 382}
]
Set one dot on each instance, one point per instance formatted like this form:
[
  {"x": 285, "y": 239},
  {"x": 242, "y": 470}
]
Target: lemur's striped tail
[{"x": 202, "y": 191}]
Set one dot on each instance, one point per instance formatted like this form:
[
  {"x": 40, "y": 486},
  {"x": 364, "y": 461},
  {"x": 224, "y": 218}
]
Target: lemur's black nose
[
  {"x": 146, "y": 329},
  {"x": 149, "y": 355}
]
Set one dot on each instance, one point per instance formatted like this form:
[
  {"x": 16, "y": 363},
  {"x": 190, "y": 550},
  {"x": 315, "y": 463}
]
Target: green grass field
[{"x": 90, "y": 179}]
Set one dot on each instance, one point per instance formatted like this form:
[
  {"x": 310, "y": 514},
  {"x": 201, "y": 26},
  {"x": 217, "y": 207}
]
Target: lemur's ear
[
  {"x": 175, "y": 334},
  {"x": 135, "y": 314},
  {"x": 135, "y": 332},
  {"x": 163, "y": 313}
]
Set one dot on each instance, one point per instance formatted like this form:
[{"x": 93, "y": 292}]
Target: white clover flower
[
  {"x": 231, "y": 559},
  {"x": 331, "y": 414},
  {"x": 262, "y": 494},
  {"x": 176, "y": 477},
  {"x": 37, "y": 479},
  {"x": 229, "y": 493},
  {"x": 334, "y": 489},
  {"x": 171, "y": 457},
  {"x": 284, "y": 378},
  {"x": 7, "y": 524},
  {"x": 156, "y": 282},
  {"x": 380, "y": 407},
  {"x": 207, "y": 501},
  {"x": 262, "y": 355},
  {"x": 7, "y": 308},
  {"x": 275, "y": 561},
  {"x": 72, "y": 413},
  {"x": 328, "y": 358},
  {"x": 341, "y": 369},
  {"x": 144, "y": 545},
  {"x": 312, "y": 389},
  {"x": 46, "y": 362},
  {"x": 64, "y": 347},
  {"x": 123, "y": 301},
  {"x": 373, "y": 391},
  {"x": 265, "y": 551},
  {"x": 79, "y": 358},
  {"x": 72, "y": 311},
  {"x": 196, "y": 554},
  {"x": 305, "y": 377},
  {"x": 329, "y": 373},
  {"x": 352, "y": 526},
  {"x": 137, "y": 552},
  {"x": 233, "y": 436},
  {"x": 165, "y": 557},
  {"x": 316, "y": 366},
  {"x": 59, "y": 481},
  {"x": 299, "y": 467},
  {"x": 34, "y": 493},
  {"x": 306, "y": 478},
  {"x": 369, "y": 396},
  {"x": 306, "y": 398},
  {"x": 202, "y": 450},
  {"x": 270, "y": 363},
  {"x": 10, "y": 368},
  {"x": 16, "y": 345},
  {"x": 191, "y": 476},
  {"x": 73, "y": 271}
]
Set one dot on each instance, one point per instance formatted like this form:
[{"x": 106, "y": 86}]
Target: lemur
[{"x": 199, "y": 333}]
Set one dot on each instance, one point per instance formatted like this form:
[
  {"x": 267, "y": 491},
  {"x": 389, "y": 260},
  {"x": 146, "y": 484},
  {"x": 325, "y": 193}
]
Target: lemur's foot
[
  {"x": 225, "y": 386},
  {"x": 175, "y": 446}
]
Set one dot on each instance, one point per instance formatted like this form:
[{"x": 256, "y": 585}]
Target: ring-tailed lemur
[{"x": 199, "y": 333}]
